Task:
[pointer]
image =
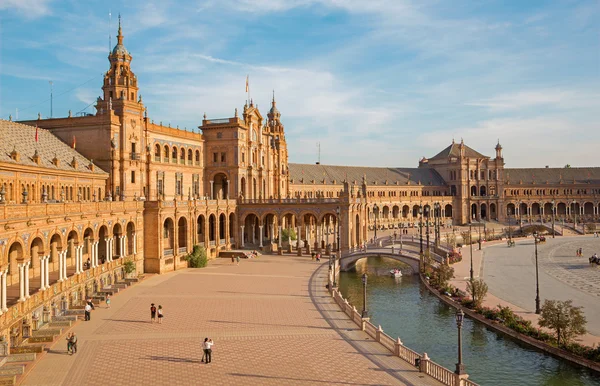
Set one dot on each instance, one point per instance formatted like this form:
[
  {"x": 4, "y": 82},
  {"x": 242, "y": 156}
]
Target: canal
[{"x": 404, "y": 308}]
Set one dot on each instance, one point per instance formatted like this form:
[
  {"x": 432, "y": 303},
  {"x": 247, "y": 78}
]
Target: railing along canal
[{"x": 423, "y": 362}]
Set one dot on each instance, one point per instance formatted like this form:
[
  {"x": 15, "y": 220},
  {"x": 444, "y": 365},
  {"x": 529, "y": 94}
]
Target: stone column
[
  {"x": 60, "y": 266},
  {"x": 96, "y": 260},
  {"x": 77, "y": 267},
  {"x": 107, "y": 249},
  {"x": 64, "y": 258},
  {"x": 123, "y": 245},
  {"x": 135, "y": 243},
  {"x": 47, "y": 270},
  {"x": 211, "y": 195},
  {"x": 299, "y": 236},
  {"x": 3, "y": 300},
  {"x": 42, "y": 274},
  {"x": 26, "y": 276},
  {"x": 279, "y": 238},
  {"x": 260, "y": 237},
  {"x": 242, "y": 234},
  {"x": 253, "y": 235},
  {"x": 272, "y": 229}
]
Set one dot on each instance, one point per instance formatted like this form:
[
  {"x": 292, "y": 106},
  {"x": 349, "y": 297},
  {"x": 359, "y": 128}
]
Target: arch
[
  {"x": 157, "y": 152},
  {"x": 168, "y": 236},
  {"x": 197, "y": 157},
  {"x": 588, "y": 208},
  {"x": 522, "y": 209},
  {"x": 561, "y": 209},
  {"x": 473, "y": 190},
  {"x": 231, "y": 226},
  {"x": 220, "y": 186},
  {"x": 15, "y": 254},
  {"x": 36, "y": 250},
  {"x": 182, "y": 156},
  {"x": 200, "y": 228},
  {"x": 182, "y": 235},
  {"x": 243, "y": 186},
  {"x": 385, "y": 212},
  {"x": 251, "y": 230},
  {"x": 405, "y": 211},
  {"x": 473, "y": 212},
  {"x": 448, "y": 210},
  {"x": 166, "y": 153},
  {"x": 510, "y": 209},
  {"x": 174, "y": 152},
  {"x": 268, "y": 221},
  {"x": 117, "y": 233},
  {"x": 103, "y": 236},
  {"x": 190, "y": 159},
  {"x": 536, "y": 209},
  {"x": 483, "y": 209},
  {"x": 130, "y": 238},
  {"x": 395, "y": 211},
  {"x": 212, "y": 228},
  {"x": 222, "y": 227},
  {"x": 493, "y": 212},
  {"x": 348, "y": 261},
  {"x": 415, "y": 211}
]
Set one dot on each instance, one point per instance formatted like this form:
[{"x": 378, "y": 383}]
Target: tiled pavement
[{"x": 271, "y": 319}]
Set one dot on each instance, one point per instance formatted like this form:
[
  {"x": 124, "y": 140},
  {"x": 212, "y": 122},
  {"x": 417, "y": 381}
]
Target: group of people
[
  {"x": 71, "y": 343},
  {"x": 315, "y": 256},
  {"x": 595, "y": 259},
  {"x": 579, "y": 252},
  {"x": 156, "y": 313}
]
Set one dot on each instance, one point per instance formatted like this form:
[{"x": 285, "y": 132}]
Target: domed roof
[{"x": 120, "y": 50}]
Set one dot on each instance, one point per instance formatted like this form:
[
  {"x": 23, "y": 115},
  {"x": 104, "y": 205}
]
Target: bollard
[
  {"x": 423, "y": 363},
  {"x": 378, "y": 334},
  {"x": 397, "y": 346}
]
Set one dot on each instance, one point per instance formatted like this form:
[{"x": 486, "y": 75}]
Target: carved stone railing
[{"x": 425, "y": 365}]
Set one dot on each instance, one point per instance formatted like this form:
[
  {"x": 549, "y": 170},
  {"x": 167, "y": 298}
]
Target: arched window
[
  {"x": 174, "y": 154},
  {"x": 157, "y": 153},
  {"x": 197, "y": 157},
  {"x": 190, "y": 156},
  {"x": 166, "y": 154},
  {"x": 182, "y": 156}
]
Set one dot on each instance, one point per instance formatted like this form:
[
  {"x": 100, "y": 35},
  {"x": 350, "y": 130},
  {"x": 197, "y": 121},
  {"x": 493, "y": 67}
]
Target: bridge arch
[{"x": 348, "y": 261}]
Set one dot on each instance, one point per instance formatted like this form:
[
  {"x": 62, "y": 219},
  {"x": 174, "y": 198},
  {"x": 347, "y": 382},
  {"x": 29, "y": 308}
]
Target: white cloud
[
  {"x": 31, "y": 9},
  {"x": 556, "y": 98}
]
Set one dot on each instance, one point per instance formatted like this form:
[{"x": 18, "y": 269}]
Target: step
[
  {"x": 64, "y": 318},
  {"x": 132, "y": 279},
  {"x": 60, "y": 323},
  {"x": 48, "y": 332},
  {"x": 111, "y": 290},
  {"x": 26, "y": 349},
  {"x": 120, "y": 285},
  {"x": 99, "y": 298},
  {"x": 12, "y": 370},
  {"x": 24, "y": 357},
  {"x": 8, "y": 380},
  {"x": 40, "y": 339}
]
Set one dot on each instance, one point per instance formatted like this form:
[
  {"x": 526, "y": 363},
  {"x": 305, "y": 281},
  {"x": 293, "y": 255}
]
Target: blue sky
[{"x": 379, "y": 82}]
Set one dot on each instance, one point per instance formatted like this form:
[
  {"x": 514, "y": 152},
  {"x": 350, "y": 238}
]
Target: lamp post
[
  {"x": 375, "y": 212},
  {"x": 537, "y": 280},
  {"x": 436, "y": 220},
  {"x": 479, "y": 237},
  {"x": 339, "y": 251},
  {"x": 427, "y": 212},
  {"x": 471, "y": 251},
  {"x": 575, "y": 215},
  {"x": 509, "y": 227},
  {"x": 553, "y": 214},
  {"x": 421, "y": 236},
  {"x": 520, "y": 217},
  {"x": 460, "y": 367},
  {"x": 364, "y": 314}
]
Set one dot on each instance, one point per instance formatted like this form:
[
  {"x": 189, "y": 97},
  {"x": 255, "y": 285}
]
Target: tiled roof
[
  {"x": 338, "y": 174},
  {"x": 454, "y": 151},
  {"x": 553, "y": 175},
  {"x": 19, "y": 137}
]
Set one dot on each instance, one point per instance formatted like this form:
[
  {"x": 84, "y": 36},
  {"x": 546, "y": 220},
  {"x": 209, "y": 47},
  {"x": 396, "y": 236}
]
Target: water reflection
[{"x": 404, "y": 308}]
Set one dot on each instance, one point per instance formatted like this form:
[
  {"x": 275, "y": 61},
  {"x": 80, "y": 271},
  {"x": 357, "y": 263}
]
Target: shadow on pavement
[
  {"x": 296, "y": 379},
  {"x": 171, "y": 359}
]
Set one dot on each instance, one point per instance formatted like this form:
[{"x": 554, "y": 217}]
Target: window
[
  {"x": 223, "y": 157},
  {"x": 133, "y": 147},
  {"x": 482, "y": 174},
  {"x": 166, "y": 154},
  {"x": 219, "y": 135},
  {"x": 197, "y": 157},
  {"x": 189, "y": 156},
  {"x": 132, "y": 97},
  {"x": 174, "y": 154},
  {"x": 243, "y": 157},
  {"x": 182, "y": 156},
  {"x": 133, "y": 176},
  {"x": 215, "y": 157},
  {"x": 157, "y": 153},
  {"x": 110, "y": 95}
]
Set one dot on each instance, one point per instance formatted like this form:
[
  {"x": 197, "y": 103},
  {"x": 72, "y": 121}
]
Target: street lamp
[
  {"x": 553, "y": 214},
  {"x": 421, "y": 235},
  {"x": 460, "y": 367},
  {"x": 521, "y": 217},
  {"x": 509, "y": 227},
  {"x": 427, "y": 211},
  {"x": 479, "y": 237},
  {"x": 575, "y": 215},
  {"x": 537, "y": 280},
  {"x": 436, "y": 219},
  {"x": 471, "y": 251},
  {"x": 375, "y": 212},
  {"x": 364, "y": 310}
]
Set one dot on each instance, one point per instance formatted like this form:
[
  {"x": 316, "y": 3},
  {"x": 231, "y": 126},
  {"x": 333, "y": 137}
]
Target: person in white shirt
[
  {"x": 207, "y": 346},
  {"x": 88, "y": 311}
]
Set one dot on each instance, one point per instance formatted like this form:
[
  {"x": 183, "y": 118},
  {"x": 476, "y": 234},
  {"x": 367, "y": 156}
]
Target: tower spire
[{"x": 120, "y": 34}]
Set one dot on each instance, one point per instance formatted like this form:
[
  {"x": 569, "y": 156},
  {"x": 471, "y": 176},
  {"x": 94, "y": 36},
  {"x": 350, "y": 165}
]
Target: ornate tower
[{"x": 280, "y": 154}]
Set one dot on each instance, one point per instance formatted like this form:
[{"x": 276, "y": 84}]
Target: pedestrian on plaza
[
  {"x": 88, "y": 311},
  {"x": 152, "y": 313},
  {"x": 232, "y": 259},
  {"x": 237, "y": 258},
  {"x": 69, "y": 344},
  {"x": 318, "y": 257},
  {"x": 89, "y": 301},
  {"x": 160, "y": 314},
  {"x": 207, "y": 347},
  {"x": 73, "y": 341},
  {"x": 312, "y": 255},
  {"x": 107, "y": 300}
]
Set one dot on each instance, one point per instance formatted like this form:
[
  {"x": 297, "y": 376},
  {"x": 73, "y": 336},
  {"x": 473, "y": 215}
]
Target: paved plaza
[{"x": 271, "y": 318}]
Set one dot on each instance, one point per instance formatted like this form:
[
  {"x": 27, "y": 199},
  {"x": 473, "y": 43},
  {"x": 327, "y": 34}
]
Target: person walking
[
  {"x": 107, "y": 300},
  {"x": 207, "y": 347},
  {"x": 88, "y": 311},
  {"x": 69, "y": 344},
  {"x": 73, "y": 341},
  {"x": 237, "y": 258},
  {"x": 160, "y": 314},
  {"x": 152, "y": 313}
]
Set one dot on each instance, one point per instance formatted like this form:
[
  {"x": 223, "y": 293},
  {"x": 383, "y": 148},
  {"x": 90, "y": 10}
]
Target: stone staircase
[{"x": 13, "y": 367}]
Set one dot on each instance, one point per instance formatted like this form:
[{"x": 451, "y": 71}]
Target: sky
[{"x": 376, "y": 83}]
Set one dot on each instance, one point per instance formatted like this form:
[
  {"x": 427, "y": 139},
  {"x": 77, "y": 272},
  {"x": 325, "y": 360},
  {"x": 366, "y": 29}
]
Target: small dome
[{"x": 120, "y": 50}]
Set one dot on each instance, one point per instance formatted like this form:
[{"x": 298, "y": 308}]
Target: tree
[
  {"x": 129, "y": 267},
  {"x": 565, "y": 319},
  {"x": 466, "y": 237},
  {"x": 441, "y": 276},
  {"x": 198, "y": 258},
  {"x": 287, "y": 234},
  {"x": 478, "y": 290}
]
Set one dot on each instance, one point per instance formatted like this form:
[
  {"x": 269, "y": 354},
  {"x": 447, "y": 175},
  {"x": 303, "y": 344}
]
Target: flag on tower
[
  {"x": 247, "y": 83},
  {"x": 37, "y": 136}
]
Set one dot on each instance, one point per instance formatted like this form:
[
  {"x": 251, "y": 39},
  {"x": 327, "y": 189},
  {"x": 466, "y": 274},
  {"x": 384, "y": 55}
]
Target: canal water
[{"x": 404, "y": 308}]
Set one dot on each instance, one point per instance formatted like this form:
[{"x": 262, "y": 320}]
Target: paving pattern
[{"x": 272, "y": 321}]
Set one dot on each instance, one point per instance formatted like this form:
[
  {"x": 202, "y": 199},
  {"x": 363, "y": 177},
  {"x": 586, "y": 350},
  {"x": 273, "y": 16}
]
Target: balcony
[
  {"x": 168, "y": 252},
  {"x": 134, "y": 156},
  {"x": 182, "y": 250}
]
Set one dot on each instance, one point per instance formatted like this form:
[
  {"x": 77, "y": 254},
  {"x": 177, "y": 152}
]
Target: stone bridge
[{"x": 348, "y": 260}]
